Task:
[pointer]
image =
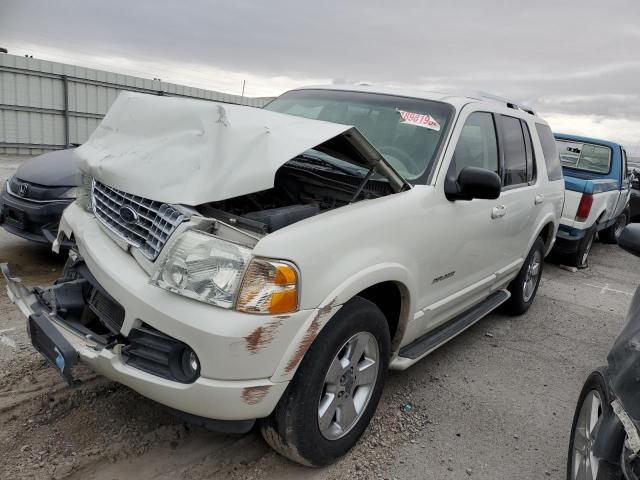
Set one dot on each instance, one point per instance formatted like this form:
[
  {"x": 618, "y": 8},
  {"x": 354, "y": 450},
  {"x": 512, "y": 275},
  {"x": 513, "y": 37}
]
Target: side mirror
[
  {"x": 629, "y": 239},
  {"x": 473, "y": 182}
]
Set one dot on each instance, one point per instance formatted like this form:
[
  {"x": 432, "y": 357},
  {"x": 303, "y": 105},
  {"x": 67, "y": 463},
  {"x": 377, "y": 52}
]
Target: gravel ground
[{"x": 494, "y": 403}]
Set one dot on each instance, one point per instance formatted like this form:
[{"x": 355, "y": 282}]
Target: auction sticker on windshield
[{"x": 419, "y": 120}]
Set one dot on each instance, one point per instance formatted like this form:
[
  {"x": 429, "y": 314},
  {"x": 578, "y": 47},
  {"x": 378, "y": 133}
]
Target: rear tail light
[{"x": 584, "y": 208}]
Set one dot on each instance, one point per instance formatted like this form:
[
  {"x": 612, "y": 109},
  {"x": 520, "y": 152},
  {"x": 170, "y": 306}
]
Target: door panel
[{"x": 470, "y": 249}]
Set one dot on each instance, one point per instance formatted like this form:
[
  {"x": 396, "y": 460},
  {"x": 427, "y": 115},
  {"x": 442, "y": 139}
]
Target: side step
[{"x": 445, "y": 332}]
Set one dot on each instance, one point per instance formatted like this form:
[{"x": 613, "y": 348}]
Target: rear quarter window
[{"x": 550, "y": 152}]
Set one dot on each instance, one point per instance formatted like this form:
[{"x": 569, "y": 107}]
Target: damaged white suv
[{"x": 240, "y": 264}]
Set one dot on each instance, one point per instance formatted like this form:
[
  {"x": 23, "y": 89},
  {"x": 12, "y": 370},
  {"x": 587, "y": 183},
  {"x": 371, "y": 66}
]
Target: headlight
[
  {"x": 83, "y": 192},
  {"x": 203, "y": 267},
  {"x": 269, "y": 286}
]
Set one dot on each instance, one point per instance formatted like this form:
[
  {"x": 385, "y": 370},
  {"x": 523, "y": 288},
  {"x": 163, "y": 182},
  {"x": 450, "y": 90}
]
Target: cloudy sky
[{"x": 575, "y": 61}]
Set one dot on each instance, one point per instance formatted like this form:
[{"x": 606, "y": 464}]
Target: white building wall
[{"x": 47, "y": 105}]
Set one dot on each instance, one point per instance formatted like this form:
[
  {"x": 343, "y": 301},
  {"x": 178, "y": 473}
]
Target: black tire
[
  {"x": 293, "y": 428},
  {"x": 580, "y": 258},
  {"x": 610, "y": 234},
  {"x": 518, "y": 303},
  {"x": 595, "y": 383}
]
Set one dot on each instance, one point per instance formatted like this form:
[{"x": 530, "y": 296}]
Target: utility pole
[{"x": 242, "y": 96}]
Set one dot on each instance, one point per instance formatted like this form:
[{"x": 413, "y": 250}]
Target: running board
[{"x": 445, "y": 332}]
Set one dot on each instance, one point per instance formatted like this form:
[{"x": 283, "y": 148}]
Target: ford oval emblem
[{"x": 128, "y": 215}]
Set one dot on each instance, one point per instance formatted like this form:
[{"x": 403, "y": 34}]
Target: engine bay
[{"x": 302, "y": 188}]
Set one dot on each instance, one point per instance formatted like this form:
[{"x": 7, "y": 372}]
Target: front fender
[
  {"x": 610, "y": 439},
  {"x": 363, "y": 279}
]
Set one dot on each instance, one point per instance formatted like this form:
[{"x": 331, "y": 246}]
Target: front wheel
[
  {"x": 594, "y": 402},
  {"x": 336, "y": 389},
  {"x": 523, "y": 288}
]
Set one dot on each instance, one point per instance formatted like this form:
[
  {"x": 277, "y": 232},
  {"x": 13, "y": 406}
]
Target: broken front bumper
[{"x": 63, "y": 343}]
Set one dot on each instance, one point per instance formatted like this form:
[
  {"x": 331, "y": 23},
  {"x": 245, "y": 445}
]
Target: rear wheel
[
  {"x": 593, "y": 404},
  {"x": 580, "y": 258},
  {"x": 612, "y": 233},
  {"x": 523, "y": 288},
  {"x": 336, "y": 389}
]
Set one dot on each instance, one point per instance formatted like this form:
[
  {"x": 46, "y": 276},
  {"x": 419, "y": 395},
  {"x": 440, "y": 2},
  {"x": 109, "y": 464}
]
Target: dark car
[
  {"x": 605, "y": 439},
  {"x": 634, "y": 200},
  {"x": 32, "y": 201}
]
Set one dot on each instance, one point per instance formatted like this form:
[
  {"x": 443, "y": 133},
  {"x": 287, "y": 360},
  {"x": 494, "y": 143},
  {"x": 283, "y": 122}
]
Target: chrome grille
[{"x": 155, "y": 222}]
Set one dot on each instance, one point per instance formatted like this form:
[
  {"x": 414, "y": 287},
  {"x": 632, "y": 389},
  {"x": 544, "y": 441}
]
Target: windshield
[
  {"x": 584, "y": 156},
  {"x": 406, "y": 131}
]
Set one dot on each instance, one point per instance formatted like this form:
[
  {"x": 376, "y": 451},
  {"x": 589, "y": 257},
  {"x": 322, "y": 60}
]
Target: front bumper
[
  {"x": 208, "y": 398},
  {"x": 35, "y": 221},
  {"x": 245, "y": 360}
]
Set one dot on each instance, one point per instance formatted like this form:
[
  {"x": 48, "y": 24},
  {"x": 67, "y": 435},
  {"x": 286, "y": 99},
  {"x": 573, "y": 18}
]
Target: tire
[
  {"x": 521, "y": 299},
  {"x": 580, "y": 258},
  {"x": 293, "y": 429},
  {"x": 611, "y": 234},
  {"x": 579, "y": 460}
]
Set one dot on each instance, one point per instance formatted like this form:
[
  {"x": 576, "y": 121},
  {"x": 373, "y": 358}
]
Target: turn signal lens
[
  {"x": 269, "y": 287},
  {"x": 584, "y": 208}
]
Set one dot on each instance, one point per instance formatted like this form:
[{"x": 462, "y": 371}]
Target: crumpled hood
[
  {"x": 54, "y": 169},
  {"x": 177, "y": 150}
]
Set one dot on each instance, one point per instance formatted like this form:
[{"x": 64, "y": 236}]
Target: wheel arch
[
  {"x": 547, "y": 229},
  {"x": 388, "y": 286},
  {"x": 547, "y": 235}
]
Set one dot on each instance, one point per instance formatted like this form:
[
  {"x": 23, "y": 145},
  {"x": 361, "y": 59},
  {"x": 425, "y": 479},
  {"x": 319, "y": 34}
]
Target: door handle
[
  {"x": 539, "y": 199},
  {"x": 498, "y": 211}
]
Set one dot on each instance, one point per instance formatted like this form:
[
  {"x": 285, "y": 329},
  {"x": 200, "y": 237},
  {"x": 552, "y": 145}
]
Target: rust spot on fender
[
  {"x": 262, "y": 336},
  {"x": 309, "y": 336},
  {"x": 254, "y": 395}
]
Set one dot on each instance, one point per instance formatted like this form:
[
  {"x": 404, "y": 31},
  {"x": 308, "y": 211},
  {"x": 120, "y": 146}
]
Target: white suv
[{"x": 240, "y": 264}]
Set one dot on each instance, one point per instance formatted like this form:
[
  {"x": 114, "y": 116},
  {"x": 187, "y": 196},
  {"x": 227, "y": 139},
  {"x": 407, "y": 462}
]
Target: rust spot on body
[
  {"x": 309, "y": 336},
  {"x": 262, "y": 336},
  {"x": 254, "y": 395}
]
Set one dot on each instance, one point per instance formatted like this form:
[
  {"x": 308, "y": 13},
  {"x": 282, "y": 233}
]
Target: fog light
[
  {"x": 185, "y": 365},
  {"x": 193, "y": 362}
]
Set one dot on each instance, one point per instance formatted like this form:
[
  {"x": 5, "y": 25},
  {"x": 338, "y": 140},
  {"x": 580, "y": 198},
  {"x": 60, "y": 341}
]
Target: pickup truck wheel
[
  {"x": 523, "y": 288},
  {"x": 594, "y": 402},
  {"x": 581, "y": 257},
  {"x": 612, "y": 233},
  {"x": 335, "y": 390}
]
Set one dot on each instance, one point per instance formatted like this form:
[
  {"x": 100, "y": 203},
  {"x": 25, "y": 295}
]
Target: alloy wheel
[
  {"x": 348, "y": 385},
  {"x": 532, "y": 276},
  {"x": 585, "y": 464}
]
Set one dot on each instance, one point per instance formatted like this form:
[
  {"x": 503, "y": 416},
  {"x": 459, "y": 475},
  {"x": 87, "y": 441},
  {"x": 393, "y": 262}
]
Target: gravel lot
[{"x": 494, "y": 403}]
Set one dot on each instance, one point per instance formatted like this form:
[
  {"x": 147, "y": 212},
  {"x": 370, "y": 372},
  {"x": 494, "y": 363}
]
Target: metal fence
[{"x": 47, "y": 105}]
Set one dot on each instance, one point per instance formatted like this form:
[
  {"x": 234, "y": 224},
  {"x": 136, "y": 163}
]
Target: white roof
[{"x": 455, "y": 98}]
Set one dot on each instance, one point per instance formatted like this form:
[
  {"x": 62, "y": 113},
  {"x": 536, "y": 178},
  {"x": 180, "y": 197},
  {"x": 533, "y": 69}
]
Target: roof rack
[{"x": 509, "y": 103}]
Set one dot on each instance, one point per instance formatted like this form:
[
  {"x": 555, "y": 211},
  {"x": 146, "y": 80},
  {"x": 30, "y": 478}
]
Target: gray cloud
[{"x": 577, "y": 57}]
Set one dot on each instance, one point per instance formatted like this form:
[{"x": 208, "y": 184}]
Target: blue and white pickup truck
[{"x": 597, "y": 190}]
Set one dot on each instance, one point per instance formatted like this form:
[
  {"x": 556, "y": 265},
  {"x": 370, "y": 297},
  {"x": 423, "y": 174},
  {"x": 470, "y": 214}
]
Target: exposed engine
[{"x": 301, "y": 190}]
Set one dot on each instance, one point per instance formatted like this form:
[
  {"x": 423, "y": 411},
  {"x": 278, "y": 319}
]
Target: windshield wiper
[{"x": 326, "y": 163}]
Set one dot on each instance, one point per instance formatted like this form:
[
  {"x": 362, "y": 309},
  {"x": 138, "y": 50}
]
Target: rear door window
[
  {"x": 550, "y": 152},
  {"x": 515, "y": 152}
]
